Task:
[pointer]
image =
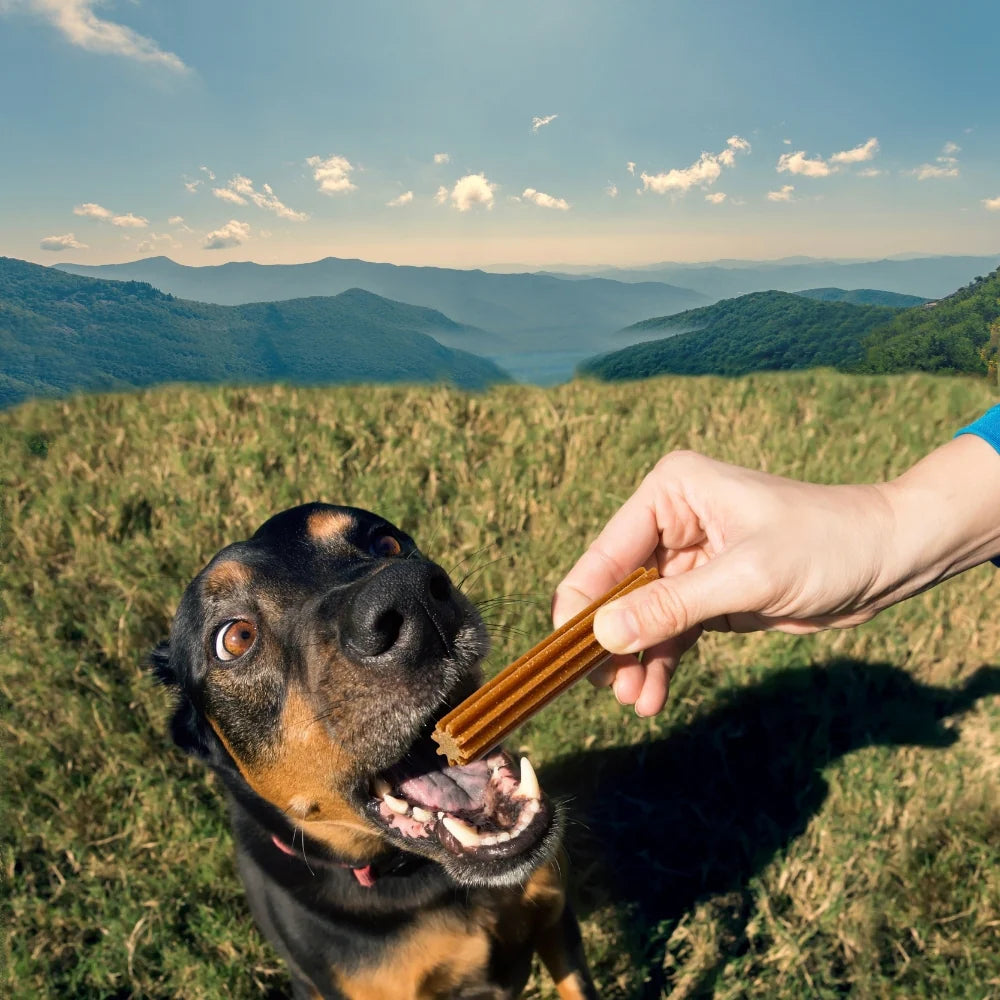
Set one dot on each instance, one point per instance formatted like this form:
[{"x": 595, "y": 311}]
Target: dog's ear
[{"x": 187, "y": 725}]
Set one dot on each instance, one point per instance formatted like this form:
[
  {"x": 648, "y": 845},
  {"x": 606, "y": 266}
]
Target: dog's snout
[{"x": 405, "y": 609}]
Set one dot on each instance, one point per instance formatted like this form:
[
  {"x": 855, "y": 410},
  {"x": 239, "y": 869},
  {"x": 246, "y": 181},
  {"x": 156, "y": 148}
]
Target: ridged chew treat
[{"x": 490, "y": 714}]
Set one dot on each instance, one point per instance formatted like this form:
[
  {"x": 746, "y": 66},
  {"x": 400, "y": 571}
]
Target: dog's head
[{"x": 311, "y": 662}]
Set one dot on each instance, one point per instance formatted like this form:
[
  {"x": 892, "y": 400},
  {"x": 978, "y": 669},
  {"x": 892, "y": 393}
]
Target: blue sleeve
[{"x": 988, "y": 428}]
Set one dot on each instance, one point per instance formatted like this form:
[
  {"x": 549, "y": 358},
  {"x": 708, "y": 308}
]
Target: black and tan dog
[{"x": 310, "y": 663}]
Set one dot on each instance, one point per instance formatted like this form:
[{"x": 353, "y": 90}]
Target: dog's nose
[{"x": 407, "y": 608}]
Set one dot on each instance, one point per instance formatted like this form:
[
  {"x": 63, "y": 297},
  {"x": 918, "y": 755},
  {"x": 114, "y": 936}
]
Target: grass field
[{"x": 810, "y": 817}]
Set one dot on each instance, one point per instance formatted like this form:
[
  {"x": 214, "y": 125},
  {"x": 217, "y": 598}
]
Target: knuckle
[{"x": 661, "y": 612}]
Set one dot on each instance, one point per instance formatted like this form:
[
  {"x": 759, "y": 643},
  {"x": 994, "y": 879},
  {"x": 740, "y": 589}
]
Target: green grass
[{"x": 810, "y": 817}]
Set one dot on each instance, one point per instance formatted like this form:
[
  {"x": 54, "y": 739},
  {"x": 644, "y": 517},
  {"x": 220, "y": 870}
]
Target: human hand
[{"x": 737, "y": 550}]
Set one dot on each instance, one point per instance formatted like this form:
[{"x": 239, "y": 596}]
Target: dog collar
[{"x": 365, "y": 875}]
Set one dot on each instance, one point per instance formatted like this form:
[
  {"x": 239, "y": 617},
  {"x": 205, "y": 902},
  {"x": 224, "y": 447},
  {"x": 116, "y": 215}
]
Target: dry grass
[{"x": 811, "y": 817}]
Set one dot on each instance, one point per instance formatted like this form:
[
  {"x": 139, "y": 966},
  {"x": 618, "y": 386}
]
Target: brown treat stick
[{"x": 516, "y": 693}]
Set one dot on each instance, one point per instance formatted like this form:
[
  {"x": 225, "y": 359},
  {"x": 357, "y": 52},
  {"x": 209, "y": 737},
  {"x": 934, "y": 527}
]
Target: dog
[{"x": 309, "y": 664}]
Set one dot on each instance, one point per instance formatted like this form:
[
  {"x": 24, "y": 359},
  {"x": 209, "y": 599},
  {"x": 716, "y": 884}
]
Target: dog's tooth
[
  {"x": 466, "y": 835},
  {"x": 400, "y": 806},
  {"x": 528, "y": 786},
  {"x": 503, "y": 836},
  {"x": 440, "y": 815},
  {"x": 488, "y": 840},
  {"x": 381, "y": 787},
  {"x": 422, "y": 814}
]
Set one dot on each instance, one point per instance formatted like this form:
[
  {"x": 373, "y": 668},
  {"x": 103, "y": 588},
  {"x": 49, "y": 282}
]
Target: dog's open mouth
[{"x": 491, "y": 809}]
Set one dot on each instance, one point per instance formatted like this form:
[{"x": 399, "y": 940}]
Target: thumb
[{"x": 672, "y": 605}]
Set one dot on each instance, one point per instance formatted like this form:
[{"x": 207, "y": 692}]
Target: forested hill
[
  {"x": 760, "y": 331},
  {"x": 864, "y": 297},
  {"x": 960, "y": 333},
  {"x": 60, "y": 332}
]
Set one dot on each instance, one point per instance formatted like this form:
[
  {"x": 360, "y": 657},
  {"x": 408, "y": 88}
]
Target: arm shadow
[{"x": 657, "y": 827}]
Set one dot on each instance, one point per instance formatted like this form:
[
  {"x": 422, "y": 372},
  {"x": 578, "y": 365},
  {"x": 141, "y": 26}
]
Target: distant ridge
[
  {"x": 763, "y": 331},
  {"x": 864, "y": 297},
  {"x": 61, "y": 332}
]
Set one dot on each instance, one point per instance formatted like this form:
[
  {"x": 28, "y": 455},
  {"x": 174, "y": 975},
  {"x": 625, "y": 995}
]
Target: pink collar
[{"x": 365, "y": 875}]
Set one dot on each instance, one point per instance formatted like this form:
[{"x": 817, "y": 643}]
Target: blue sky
[{"x": 470, "y": 133}]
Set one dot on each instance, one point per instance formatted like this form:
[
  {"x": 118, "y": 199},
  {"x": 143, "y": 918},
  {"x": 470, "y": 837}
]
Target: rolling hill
[
  {"x": 950, "y": 335},
  {"x": 60, "y": 332},
  {"x": 522, "y": 311},
  {"x": 763, "y": 331},
  {"x": 864, "y": 297}
]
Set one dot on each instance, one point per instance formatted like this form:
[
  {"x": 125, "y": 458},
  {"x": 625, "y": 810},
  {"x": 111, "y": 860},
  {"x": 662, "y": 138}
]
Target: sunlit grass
[{"x": 811, "y": 817}]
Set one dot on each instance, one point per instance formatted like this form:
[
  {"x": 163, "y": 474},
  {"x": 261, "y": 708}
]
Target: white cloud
[
  {"x": 192, "y": 186},
  {"x": 226, "y": 195},
  {"x": 859, "y": 154},
  {"x": 716, "y": 198},
  {"x": 992, "y": 204},
  {"x": 239, "y": 190},
  {"x": 92, "y": 211},
  {"x": 80, "y": 26},
  {"x": 232, "y": 234},
  {"x": 155, "y": 242},
  {"x": 404, "y": 199},
  {"x": 703, "y": 173},
  {"x": 129, "y": 221},
  {"x": 332, "y": 174},
  {"x": 611, "y": 190},
  {"x": 785, "y": 194},
  {"x": 787, "y": 142},
  {"x": 205, "y": 170},
  {"x": 175, "y": 220},
  {"x": 870, "y": 172},
  {"x": 67, "y": 241},
  {"x": 799, "y": 163},
  {"x": 630, "y": 167},
  {"x": 951, "y": 148},
  {"x": 540, "y": 122},
  {"x": 543, "y": 200},
  {"x": 931, "y": 171},
  {"x": 470, "y": 190},
  {"x": 440, "y": 158}
]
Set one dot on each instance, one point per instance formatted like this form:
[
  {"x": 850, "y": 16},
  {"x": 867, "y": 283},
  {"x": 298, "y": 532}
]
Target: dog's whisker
[{"x": 473, "y": 555}]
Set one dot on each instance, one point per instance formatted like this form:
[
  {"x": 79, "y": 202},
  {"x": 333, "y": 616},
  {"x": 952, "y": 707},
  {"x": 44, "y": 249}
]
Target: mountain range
[{"x": 60, "y": 332}]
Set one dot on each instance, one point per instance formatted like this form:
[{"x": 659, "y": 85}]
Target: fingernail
[{"x": 617, "y": 630}]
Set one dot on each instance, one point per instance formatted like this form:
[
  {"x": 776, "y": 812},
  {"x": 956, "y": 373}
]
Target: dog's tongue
[{"x": 452, "y": 790}]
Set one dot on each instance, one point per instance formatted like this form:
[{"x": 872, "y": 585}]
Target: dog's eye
[
  {"x": 386, "y": 546},
  {"x": 234, "y": 639}
]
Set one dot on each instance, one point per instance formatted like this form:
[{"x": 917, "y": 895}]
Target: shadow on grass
[{"x": 659, "y": 826}]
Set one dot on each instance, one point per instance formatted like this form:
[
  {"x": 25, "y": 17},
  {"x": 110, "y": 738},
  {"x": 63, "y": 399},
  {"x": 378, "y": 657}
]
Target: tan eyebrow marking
[
  {"x": 227, "y": 576},
  {"x": 323, "y": 525}
]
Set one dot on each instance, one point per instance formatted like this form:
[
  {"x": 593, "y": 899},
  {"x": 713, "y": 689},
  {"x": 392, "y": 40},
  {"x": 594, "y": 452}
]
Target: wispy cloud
[
  {"x": 543, "y": 200},
  {"x": 80, "y": 26},
  {"x": 404, "y": 199},
  {"x": 540, "y": 122},
  {"x": 715, "y": 198},
  {"x": 155, "y": 242},
  {"x": 176, "y": 220},
  {"x": 240, "y": 190},
  {"x": 871, "y": 172},
  {"x": 704, "y": 172},
  {"x": 992, "y": 204},
  {"x": 129, "y": 221},
  {"x": 333, "y": 175},
  {"x": 232, "y": 234},
  {"x": 67, "y": 241},
  {"x": 945, "y": 165},
  {"x": 630, "y": 167},
  {"x": 611, "y": 190},
  {"x": 192, "y": 186},
  {"x": 91, "y": 210},
  {"x": 470, "y": 190},
  {"x": 799, "y": 163},
  {"x": 859, "y": 154},
  {"x": 785, "y": 194},
  {"x": 205, "y": 170},
  {"x": 440, "y": 158}
]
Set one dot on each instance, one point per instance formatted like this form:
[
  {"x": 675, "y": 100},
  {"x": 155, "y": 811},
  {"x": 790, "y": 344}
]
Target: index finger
[{"x": 626, "y": 542}]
